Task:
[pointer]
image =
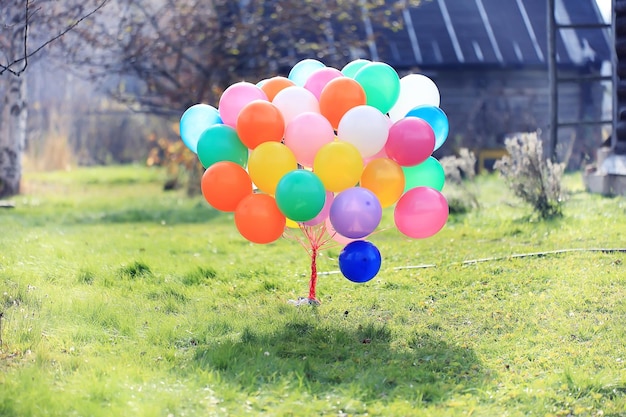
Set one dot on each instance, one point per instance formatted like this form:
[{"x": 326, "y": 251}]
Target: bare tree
[
  {"x": 18, "y": 18},
  {"x": 162, "y": 56}
]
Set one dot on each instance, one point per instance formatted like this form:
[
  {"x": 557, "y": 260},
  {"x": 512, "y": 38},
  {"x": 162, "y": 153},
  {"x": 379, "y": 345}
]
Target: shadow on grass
[{"x": 361, "y": 360}]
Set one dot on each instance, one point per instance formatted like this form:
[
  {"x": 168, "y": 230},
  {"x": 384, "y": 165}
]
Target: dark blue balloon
[{"x": 359, "y": 261}]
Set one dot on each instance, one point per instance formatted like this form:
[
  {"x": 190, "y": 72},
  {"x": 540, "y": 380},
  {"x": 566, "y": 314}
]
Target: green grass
[{"x": 119, "y": 299}]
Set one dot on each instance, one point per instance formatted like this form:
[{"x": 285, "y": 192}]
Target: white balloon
[
  {"x": 293, "y": 101},
  {"x": 366, "y": 128},
  {"x": 415, "y": 90}
]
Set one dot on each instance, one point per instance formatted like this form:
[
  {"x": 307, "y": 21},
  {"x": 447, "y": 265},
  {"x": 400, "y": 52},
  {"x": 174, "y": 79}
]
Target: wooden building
[{"x": 489, "y": 59}]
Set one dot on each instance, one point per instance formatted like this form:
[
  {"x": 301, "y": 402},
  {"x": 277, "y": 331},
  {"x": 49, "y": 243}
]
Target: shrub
[
  {"x": 460, "y": 189},
  {"x": 531, "y": 176}
]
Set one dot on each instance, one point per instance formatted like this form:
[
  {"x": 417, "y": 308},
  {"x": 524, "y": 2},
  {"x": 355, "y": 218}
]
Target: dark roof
[{"x": 504, "y": 33}]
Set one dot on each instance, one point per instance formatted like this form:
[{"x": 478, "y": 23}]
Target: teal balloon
[
  {"x": 353, "y": 67},
  {"x": 300, "y": 195},
  {"x": 429, "y": 173},
  {"x": 195, "y": 120},
  {"x": 221, "y": 143},
  {"x": 381, "y": 85},
  {"x": 436, "y": 118}
]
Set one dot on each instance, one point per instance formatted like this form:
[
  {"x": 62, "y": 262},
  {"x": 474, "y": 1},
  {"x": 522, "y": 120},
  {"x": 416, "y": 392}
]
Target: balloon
[
  {"x": 293, "y": 101},
  {"x": 436, "y": 118},
  {"x": 421, "y": 212},
  {"x": 339, "y": 165},
  {"x": 318, "y": 80},
  {"x": 360, "y": 261},
  {"x": 291, "y": 224},
  {"x": 306, "y": 134},
  {"x": 355, "y": 213},
  {"x": 235, "y": 97},
  {"x": 272, "y": 86},
  {"x": 385, "y": 179},
  {"x": 353, "y": 67},
  {"x": 381, "y": 84},
  {"x": 323, "y": 215},
  {"x": 339, "y": 96},
  {"x": 221, "y": 143},
  {"x": 342, "y": 240},
  {"x": 300, "y": 195},
  {"x": 415, "y": 90},
  {"x": 303, "y": 69},
  {"x": 195, "y": 120},
  {"x": 258, "y": 219},
  {"x": 411, "y": 140},
  {"x": 224, "y": 184},
  {"x": 260, "y": 121},
  {"x": 427, "y": 174},
  {"x": 381, "y": 154},
  {"x": 268, "y": 163},
  {"x": 366, "y": 128}
]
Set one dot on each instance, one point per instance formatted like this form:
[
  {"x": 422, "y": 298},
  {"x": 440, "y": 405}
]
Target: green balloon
[
  {"x": 221, "y": 143},
  {"x": 427, "y": 174},
  {"x": 300, "y": 195},
  {"x": 381, "y": 84},
  {"x": 353, "y": 67}
]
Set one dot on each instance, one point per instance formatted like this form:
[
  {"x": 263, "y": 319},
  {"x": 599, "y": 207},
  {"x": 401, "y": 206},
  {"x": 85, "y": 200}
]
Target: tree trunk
[{"x": 14, "y": 111}]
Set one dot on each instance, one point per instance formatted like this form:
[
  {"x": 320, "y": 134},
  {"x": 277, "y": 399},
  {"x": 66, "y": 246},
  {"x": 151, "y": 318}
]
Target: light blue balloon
[
  {"x": 195, "y": 120},
  {"x": 303, "y": 70},
  {"x": 436, "y": 118}
]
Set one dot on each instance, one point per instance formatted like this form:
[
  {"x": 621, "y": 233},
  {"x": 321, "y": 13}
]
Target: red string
[{"x": 313, "y": 282}]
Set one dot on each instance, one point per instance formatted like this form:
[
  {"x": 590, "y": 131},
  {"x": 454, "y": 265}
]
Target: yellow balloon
[
  {"x": 385, "y": 179},
  {"x": 339, "y": 165},
  {"x": 292, "y": 224},
  {"x": 268, "y": 163}
]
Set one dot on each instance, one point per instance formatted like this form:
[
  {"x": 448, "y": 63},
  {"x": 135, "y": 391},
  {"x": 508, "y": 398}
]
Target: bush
[
  {"x": 531, "y": 177},
  {"x": 460, "y": 174}
]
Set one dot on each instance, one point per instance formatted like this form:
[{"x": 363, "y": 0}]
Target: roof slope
[{"x": 504, "y": 33}]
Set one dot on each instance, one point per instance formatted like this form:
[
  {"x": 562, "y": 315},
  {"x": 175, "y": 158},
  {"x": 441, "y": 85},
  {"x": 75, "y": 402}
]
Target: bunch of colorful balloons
[{"x": 325, "y": 146}]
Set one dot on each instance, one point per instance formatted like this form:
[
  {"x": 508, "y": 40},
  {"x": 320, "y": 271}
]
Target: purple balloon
[{"x": 355, "y": 212}]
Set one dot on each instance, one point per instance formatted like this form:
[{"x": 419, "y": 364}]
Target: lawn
[{"x": 120, "y": 299}]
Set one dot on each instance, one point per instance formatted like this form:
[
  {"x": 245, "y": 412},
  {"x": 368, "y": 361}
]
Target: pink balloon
[
  {"x": 318, "y": 80},
  {"x": 342, "y": 240},
  {"x": 411, "y": 141},
  {"x": 306, "y": 134},
  {"x": 381, "y": 154},
  {"x": 292, "y": 101},
  {"x": 330, "y": 197},
  {"x": 421, "y": 212},
  {"x": 235, "y": 97}
]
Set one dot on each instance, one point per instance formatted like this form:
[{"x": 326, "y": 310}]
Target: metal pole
[
  {"x": 552, "y": 80},
  {"x": 615, "y": 80}
]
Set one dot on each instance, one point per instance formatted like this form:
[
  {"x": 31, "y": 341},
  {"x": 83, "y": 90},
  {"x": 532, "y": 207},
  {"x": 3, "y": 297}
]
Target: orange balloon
[
  {"x": 260, "y": 121},
  {"x": 274, "y": 85},
  {"x": 224, "y": 184},
  {"x": 259, "y": 220},
  {"x": 339, "y": 96},
  {"x": 385, "y": 179}
]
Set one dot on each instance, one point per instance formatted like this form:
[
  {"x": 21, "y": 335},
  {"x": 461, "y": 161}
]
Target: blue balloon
[
  {"x": 195, "y": 120},
  {"x": 303, "y": 70},
  {"x": 359, "y": 261},
  {"x": 436, "y": 118}
]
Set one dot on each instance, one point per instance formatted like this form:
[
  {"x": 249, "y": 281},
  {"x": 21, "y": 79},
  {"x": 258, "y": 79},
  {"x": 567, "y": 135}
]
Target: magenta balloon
[
  {"x": 421, "y": 212},
  {"x": 330, "y": 197},
  {"x": 306, "y": 134},
  {"x": 318, "y": 80},
  {"x": 355, "y": 213},
  {"x": 235, "y": 97},
  {"x": 411, "y": 141}
]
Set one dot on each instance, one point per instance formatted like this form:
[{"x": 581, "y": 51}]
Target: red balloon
[
  {"x": 224, "y": 184},
  {"x": 260, "y": 121},
  {"x": 411, "y": 141},
  {"x": 259, "y": 220}
]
